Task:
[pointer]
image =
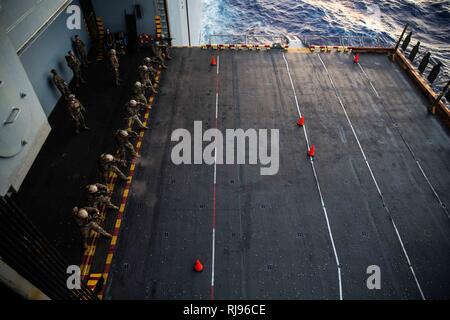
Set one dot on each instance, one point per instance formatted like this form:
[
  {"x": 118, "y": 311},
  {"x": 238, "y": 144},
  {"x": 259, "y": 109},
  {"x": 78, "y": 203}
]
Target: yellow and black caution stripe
[
  {"x": 322, "y": 48},
  {"x": 89, "y": 253},
  {"x": 126, "y": 191},
  {"x": 255, "y": 47},
  {"x": 93, "y": 280},
  {"x": 158, "y": 27}
]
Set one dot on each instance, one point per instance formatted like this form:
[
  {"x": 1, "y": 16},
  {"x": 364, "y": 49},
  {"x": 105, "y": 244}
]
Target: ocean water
[{"x": 315, "y": 19}]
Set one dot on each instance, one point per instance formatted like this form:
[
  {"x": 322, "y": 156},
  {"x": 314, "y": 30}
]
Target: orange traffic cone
[
  {"x": 356, "y": 58},
  {"x": 312, "y": 151},
  {"x": 198, "y": 266},
  {"x": 301, "y": 121},
  {"x": 213, "y": 61}
]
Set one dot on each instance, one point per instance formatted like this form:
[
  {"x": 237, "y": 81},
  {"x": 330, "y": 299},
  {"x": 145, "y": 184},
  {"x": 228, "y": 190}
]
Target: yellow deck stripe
[
  {"x": 125, "y": 195},
  {"x": 109, "y": 258},
  {"x": 301, "y": 50},
  {"x": 92, "y": 283},
  {"x": 114, "y": 240}
]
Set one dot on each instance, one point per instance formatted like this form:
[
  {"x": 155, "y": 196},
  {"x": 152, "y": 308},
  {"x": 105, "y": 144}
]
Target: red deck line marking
[
  {"x": 212, "y": 292},
  {"x": 215, "y": 185}
]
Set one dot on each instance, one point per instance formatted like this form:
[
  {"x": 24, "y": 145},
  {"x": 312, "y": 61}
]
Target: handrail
[{"x": 341, "y": 40}]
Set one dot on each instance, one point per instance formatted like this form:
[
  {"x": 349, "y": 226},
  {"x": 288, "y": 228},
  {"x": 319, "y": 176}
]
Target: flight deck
[{"x": 374, "y": 194}]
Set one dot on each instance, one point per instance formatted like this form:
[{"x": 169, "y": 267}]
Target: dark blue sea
[{"x": 313, "y": 19}]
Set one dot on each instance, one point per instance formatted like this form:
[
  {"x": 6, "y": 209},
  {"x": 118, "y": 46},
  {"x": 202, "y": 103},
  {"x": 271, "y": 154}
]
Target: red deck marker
[
  {"x": 198, "y": 266},
  {"x": 213, "y": 61},
  {"x": 356, "y": 58},
  {"x": 312, "y": 151},
  {"x": 301, "y": 121}
]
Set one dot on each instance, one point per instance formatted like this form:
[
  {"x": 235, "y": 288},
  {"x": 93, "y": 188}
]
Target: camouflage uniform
[
  {"x": 88, "y": 223},
  {"x": 124, "y": 144},
  {"x": 75, "y": 65},
  {"x": 99, "y": 196},
  {"x": 159, "y": 58},
  {"x": 164, "y": 49},
  {"x": 148, "y": 62},
  {"x": 76, "y": 110},
  {"x": 144, "y": 78},
  {"x": 139, "y": 93},
  {"x": 108, "y": 163},
  {"x": 81, "y": 50},
  {"x": 115, "y": 67},
  {"x": 62, "y": 86},
  {"x": 133, "y": 115}
]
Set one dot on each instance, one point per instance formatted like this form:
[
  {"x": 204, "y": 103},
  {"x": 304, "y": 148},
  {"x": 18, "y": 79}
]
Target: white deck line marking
[
  {"x": 213, "y": 255},
  {"x": 217, "y": 105},
  {"x": 318, "y": 185},
  {"x": 441, "y": 203},
  {"x": 373, "y": 177}
]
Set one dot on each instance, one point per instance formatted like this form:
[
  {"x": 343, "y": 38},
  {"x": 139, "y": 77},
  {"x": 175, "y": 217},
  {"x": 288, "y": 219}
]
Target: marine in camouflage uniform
[
  {"x": 144, "y": 78},
  {"x": 158, "y": 55},
  {"x": 75, "y": 65},
  {"x": 109, "y": 163},
  {"x": 133, "y": 108},
  {"x": 139, "y": 93},
  {"x": 86, "y": 218},
  {"x": 115, "y": 66},
  {"x": 124, "y": 144},
  {"x": 148, "y": 62},
  {"x": 61, "y": 84},
  {"x": 76, "y": 110},
  {"x": 98, "y": 194},
  {"x": 81, "y": 51},
  {"x": 163, "y": 46}
]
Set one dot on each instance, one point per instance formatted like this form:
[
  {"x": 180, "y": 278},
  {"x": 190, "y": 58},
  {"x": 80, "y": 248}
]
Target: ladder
[
  {"x": 101, "y": 39},
  {"x": 162, "y": 26}
]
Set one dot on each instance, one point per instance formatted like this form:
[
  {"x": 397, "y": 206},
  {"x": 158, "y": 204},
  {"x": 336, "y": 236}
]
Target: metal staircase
[
  {"x": 101, "y": 39},
  {"x": 162, "y": 26}
]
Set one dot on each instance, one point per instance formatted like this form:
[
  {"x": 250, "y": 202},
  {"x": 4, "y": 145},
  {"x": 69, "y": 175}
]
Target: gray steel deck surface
[{"x": 272, "y": 240}]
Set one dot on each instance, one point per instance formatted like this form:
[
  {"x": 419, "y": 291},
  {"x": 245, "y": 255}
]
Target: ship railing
[
  {"x": 308, "y": 40},
  {"x": 441, "y": 81},
  {"x": 345, "y": 41},
  {"x": 443, "y": 76},
  {"x": 246, "y": 39}
]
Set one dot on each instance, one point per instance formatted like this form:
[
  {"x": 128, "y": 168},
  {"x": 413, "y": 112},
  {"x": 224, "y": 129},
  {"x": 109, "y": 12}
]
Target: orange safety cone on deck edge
[
  {"x": 198, "y": 266},
  {"x": 356, "y": 58},
  {"x": 301, "y": 121},
  {"x": 213, "y": 61},
  {"x": 312, "y": 151}
]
